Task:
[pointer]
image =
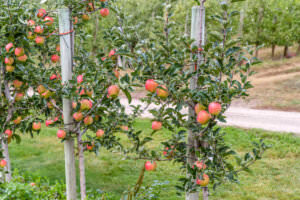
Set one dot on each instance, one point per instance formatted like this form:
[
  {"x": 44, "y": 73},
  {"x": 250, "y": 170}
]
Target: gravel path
[{"x": 279, "y": 121}]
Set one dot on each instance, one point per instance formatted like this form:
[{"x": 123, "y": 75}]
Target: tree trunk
[
  {"x": 285, "y": 51},
  {"x": 81, "y": 168},
  {"x": 273, "y": 51},
  {"x": 95, "y": 44},
  {"x": 7, "y": 159}
]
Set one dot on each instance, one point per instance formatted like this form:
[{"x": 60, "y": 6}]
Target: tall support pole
[
  {"x": 198, "y": 34},
  {"x": 66, "y": 50}
]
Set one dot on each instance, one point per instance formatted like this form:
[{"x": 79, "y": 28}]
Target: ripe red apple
[
  {"x": 199, "y": 107},
  {"x": 86, "y": 104},
  {"x": 3, "y": 163},
  {"x": 78, "y": 116},
  {"x": 85, "y": 17},
  {"x": 156, "y": 125},
  {"x": 203, "y": 182},
  {"x": 124, "y": 128},
  {"x": 89, "y": 147},
  {"x": 203, "y": 117},
  {"x": 100, "y": 133},
  {"x": 111, "y": 53},
  {"x": 57, "y": 48},
  {"x": 102, "y": 0},
  {"x": 200, "y": 165},
  {"x": 32, "y": 184},
  {"x": 150, "y": 166},
  {"x": 53, "y": 76},
  {"x": 10, "y": 68},
  {"x": 88, "y": 120},
  {"x": 38, "y": 30},
  {"x": 49, "y": 20},
  {"x": 55, "y": 58},
  {"x": 80, "y": 79},
  {"x": 19, "y": 51},
  {"x": 17, "y": 120},
  {"x": 151, "y": 85},
  {"x": 31, "y": 22},
  {"x": 75, "y": 19},
  {"x": 36, "y": 126},
  {"x": 214, "y": 108},
  {"x": 49, "y": 122},
  {"x": 19, "y": 97},
  {"x": 74, "y": 104},
  {"x": 17, "y": 84},
  {"x": 22, "y": 58},
  {"x": 162, "y": 92},
  {"x": 9, "y": 46},
  {"x": 117, "y": 73},
  {"x": 9, "y": 60},
  {"x": 113, "y": 91},
  {"x": 61, "y": 134},
  {"x": 9, "y": 133},
  {"x": 41, "y": 89},
  {"x": 41, "y": 13},
  {"x": 104, "y": 12},
  {"x": 39, "y": 40}
]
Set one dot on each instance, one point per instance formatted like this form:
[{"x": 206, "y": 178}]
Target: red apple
[
  {"x": 55, "y": 58},
  {"x": 156, "y": 125},
  {"x": 36, "y": 126},
  {"x": 17, "y": 120},
  {"x": 22, "y": 58},
  {"x": 89, "y": 147},
  {"x": 86, "y": 104},
  {"x": 30, "y": 35},
  {"x": 3, "y": 163},
  {"x": 151, "y": 85},
  {"x": 78, "y": 116},
  {"x": 124, "y": 128},
  {"x": 31, "y": 22},
  {"x": 19, "y": 97},
  {"x": 10, "y": 68},
  {"x": 75, "y": 19},
  {"x": 100, "y": 133},
  {"x": 102, "y": 0},
  {"x": 200, "y": 165},
  {"x": 104, "y": 12},
  {"x": 113, "y": 91},
  {"x": 162, "y": 92},
  {"x": 9, "y": 60},
  {"x": 117, "y": 73},
  {"x": 41, "y": 13},
  {"x": 32, "y": 184},
  {"x": 17, "y": 84},
  {"x": 74, "y": 104},
  {"x": 80, "y": 78},
  {"x": 49, "y": 122},
  {"x": 19, "y": 51},
  {"x": 199, "y": 107},
  {"x": 9, "y": 46},
  {"x": 88, "y": 120},
  {"x": 61, "y": 134},
  {"x": 111, "y": 53},
  {"x": 53, "y": 76},
  {"x": 39, "y": 40},
  {"x": 203, "y": 182},
  {"x": 150, "y": 166},
  {"x": 49, "y": 20},
  {"x": 203, "y": 117},
  {"x": 9, "y": 133},
  {"x": 38, "y": 30},
  {"x": 214, "y": 108}
]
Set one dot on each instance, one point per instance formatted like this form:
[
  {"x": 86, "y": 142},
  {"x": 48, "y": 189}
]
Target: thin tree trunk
[
  {"x": 7, "y": 159},
  {"x": 81, "y": 168},
  {"x": 273, "y": 51},
  {"x": 95, "y": 44},
  {"x": 285, "y": 51}
]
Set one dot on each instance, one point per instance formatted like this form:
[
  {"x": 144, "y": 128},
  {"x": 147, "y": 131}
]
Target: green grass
[{"x": 276, "y": 177}]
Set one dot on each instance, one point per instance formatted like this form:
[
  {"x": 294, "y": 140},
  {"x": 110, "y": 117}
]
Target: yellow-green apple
[
  {"x": 89, "y": 93},
  {"x": 19, "y": 97},
  {"x": 55, "y": 58},
  {"x": 49, "y": 20},
  {"x": 156, "y": 125},
  {"x": 85, "y": 17},
  {"x": 88, "y": 120},
  {"x": 47, "y": 94},
  {"x": 51, "y": 104},
  {"x": 31, "y": 22},
  {"x": 204, "y": 181},
  {"x": 30, "y": 35},
  {"x": 3, "y": 163},
  {"x": 203, "y": 117},
  {"x": 78, "y": 116},
  {"x": 9, "y": 60},
  {"x": 117, "y": 73},
  {"x": 214, "y": 108},
  {"x": 80, "y": 78},
  {"x": 17, "y": 120},
  {"x": 61, "y": 134},
  {"x": 22, "y": 58},
  {"x": 9, "y": 133},
  {"x": 113, "y": 91},
  {"x": 57, "y": 48},
  {"x": 150, "y": 166},
  {"x": 10, "y": 68},
  {"x": 104, "y": 12},
  {"x": 36, "y": 126},
  {"x": 17, "y": 84},
  {"x": 39, "y": 40},
  {"x": 19, "y": 51},
  {"x": 151, "y": 85},
  {"x": 41, "y": 89},
  {"x": 41, "y": 13},
  {"x": 74, "y": 104},
  {"x": 162, "y": 91},
  {"x": 100, "y": 133},
  {"x": 86, "y": 104},
  {"x": 124, "y": 128},
  {"x": 199, "y": 107},
  {"x": 9, "y": 46}
]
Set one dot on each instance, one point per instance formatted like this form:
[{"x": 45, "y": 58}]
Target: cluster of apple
[
  {"x": 169, "y": 152},
  {"x": 203, "y": 116},
  {"x": 91, "y": 7},
  {"x": 19, "y": 54},
  {"x": 204, "y": 179}
]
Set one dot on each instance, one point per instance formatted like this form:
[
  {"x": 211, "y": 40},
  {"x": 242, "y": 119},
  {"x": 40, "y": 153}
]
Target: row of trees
[{"x": 80, "y": 94}]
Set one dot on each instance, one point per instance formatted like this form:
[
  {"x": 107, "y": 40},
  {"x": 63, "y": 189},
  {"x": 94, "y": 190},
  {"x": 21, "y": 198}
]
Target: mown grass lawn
[{"x": 276, "y": 177}]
